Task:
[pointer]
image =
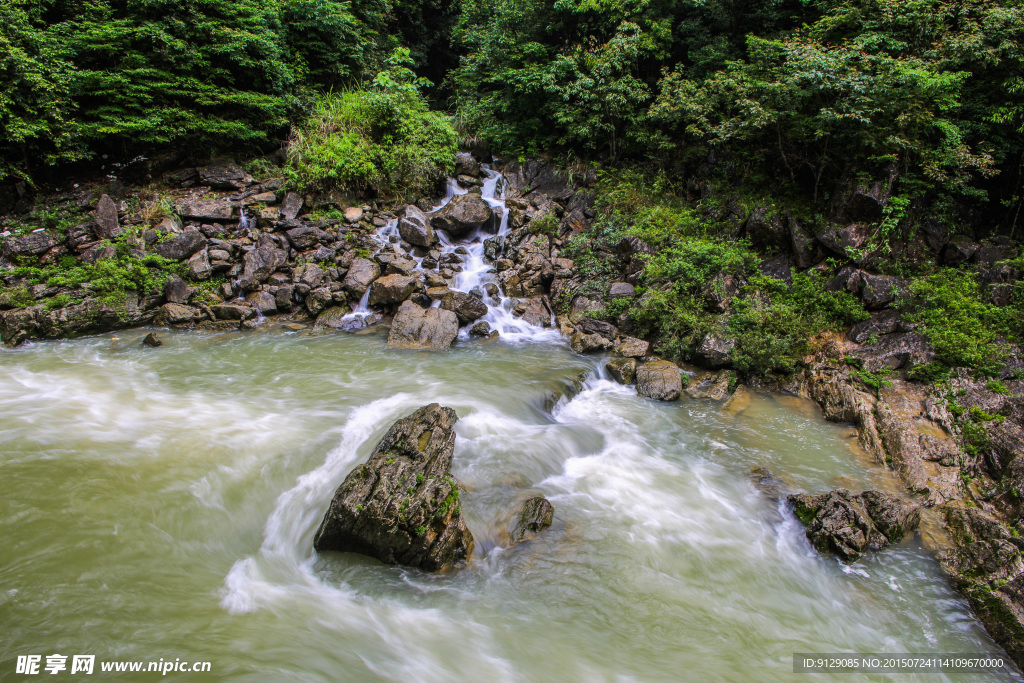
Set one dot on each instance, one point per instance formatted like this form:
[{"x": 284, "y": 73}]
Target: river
[{"x": 161, "y": 503}]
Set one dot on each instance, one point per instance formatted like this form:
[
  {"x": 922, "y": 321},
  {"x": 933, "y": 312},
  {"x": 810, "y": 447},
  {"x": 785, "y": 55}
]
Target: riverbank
[{"x": 213, "y": 248}]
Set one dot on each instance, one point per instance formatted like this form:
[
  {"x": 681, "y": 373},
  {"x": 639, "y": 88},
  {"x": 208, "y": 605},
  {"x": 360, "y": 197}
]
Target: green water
[{"x": 160, "y": 503}]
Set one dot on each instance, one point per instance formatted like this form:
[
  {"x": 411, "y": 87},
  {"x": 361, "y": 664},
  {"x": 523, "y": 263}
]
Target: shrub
[{"x": 383, "y": 140}]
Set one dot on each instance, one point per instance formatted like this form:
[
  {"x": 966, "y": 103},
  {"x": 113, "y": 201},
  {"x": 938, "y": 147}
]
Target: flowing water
[{"x": 161, "y": 503}]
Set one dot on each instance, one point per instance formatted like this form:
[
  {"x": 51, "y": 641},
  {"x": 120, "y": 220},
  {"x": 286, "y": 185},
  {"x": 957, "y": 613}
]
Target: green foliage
[
  {"x": 384, "y": 139},
  {"x": 109, "y": 279},
  {"x": 774, "y": 322},
  {"x": 959, "y": 321},
  {"x": 872, "y": 380}
]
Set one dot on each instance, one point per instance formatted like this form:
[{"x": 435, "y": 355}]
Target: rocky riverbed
[{"x": 485, "y": 260}]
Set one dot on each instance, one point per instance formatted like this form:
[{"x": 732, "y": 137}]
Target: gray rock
[
  {"x": 303, "y": 237},
  {"x": 391, "y": 289},
  {"x": 621, "y": 290},
  {"x": 318, "y": 299},
  {"x": 152, "y": 340},
  {"x": 885, "y": 322},
  {"x": 106, "y": 225},
  {"x": 176, "y": 291},
  {"x": 462, "y": 215},
  {"x": 465, "y": 306},
  {"x": 849, "y": 524},
  {"x": 533, "y": 516},
  {"x": 32, "y": 244},
  {"x": 403, "y": 506},
  {"x": 419, "y": 328},
  {"x": 631, "y": 347},
  {"x": 215, "y": 210},
  {"x": 261, "y": 262},
  {"x": 199, "y": 267},
  {"x": 415, "y": 228},
  {"x": 181, "y": 246},
  {"x": 264, "y": 302},
  {"x": 661, "y": 380},
  {"x": 284, "y": 298},
  {"x": 177, "y": 314},
  {"x": 223, "y": 177},
  {"x": 291, "y": 206},
  {"x": 360, "y": 274},
  {"x": 581, "y": 342}
]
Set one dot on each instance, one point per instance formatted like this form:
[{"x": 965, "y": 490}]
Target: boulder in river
[
  {"x": 462, "y": 215},
  {"x": 622, "y": 370},
  {"x": 848, "y": 524},
  {"x": 422, "y": 328},
  {"x": 533, "y": 516},
  {"x": 465, "y": 306},
  {"x": 402, "y": 506},
  {"x": 414, "y": 227},
  {"x": 661, "y": 380}
]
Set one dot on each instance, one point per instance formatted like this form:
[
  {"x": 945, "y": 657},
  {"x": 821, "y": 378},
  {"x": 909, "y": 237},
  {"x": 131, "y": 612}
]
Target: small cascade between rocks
[{"x": 475, "y": 274}]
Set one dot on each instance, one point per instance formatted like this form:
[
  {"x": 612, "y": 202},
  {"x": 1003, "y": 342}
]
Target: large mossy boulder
[
  {"x": 848, "y": 524},
  {"x": 403, "y": 506}
]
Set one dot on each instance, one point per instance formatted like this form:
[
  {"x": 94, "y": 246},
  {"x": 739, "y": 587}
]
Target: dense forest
[{"x": 811, "y": 93}]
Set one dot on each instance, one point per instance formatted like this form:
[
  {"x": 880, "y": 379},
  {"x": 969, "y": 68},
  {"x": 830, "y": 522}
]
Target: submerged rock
[
  {"x": 661, "y": 380},
  {"x": 422, "y": 328},
  {"x": 403, "y": 505},
  {"x": 848, "y": 524},
  {"x": 533, "y": 516},
  {"x": 152, "y": 340}
]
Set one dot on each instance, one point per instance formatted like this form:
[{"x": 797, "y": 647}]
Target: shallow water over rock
[{"x": 161, "y": 503}]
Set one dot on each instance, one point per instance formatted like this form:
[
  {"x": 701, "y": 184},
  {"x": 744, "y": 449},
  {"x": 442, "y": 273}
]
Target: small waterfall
[{"x": 243, "y": 220}]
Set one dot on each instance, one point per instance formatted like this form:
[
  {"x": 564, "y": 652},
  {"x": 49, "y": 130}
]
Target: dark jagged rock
[
  {"x": 176, "y": 291},
  {"x": 462, "y": 215},
  {"x": 481, "y": 329},
  {"x": 661, "y": 380},
  {"x": 849, "y": 524},
  {"x": 894, "y": 351},
  {"x": 261, "y": 262},
  {"x": 291, "y": 206},
  {"x": 223, "y": 177},
  {"x": 422, "y": 328},
  {"x": 885, "y": 322},
  {"x": 533, "y": 516},
  {"x": 32, "y": 244},
  {"x": 465, "y": 306},
  {"x": 152, "y": 340},
  {"x": 403, "y": 505},
  {"x": 216, "y": 210},
  {"x": 181, "y": 246}
]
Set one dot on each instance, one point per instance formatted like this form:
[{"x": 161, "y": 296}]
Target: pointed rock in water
[
  {"x": 403, "y": 505},
  {"x": 533, "y": 516},
  {"x": 415, "y": 327},
  {"x": 152, "y": 340},
  {"x": 661, "y": 380},
  {"x": 848, "y": 524},
  {"x": 465, "y": 306}
]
